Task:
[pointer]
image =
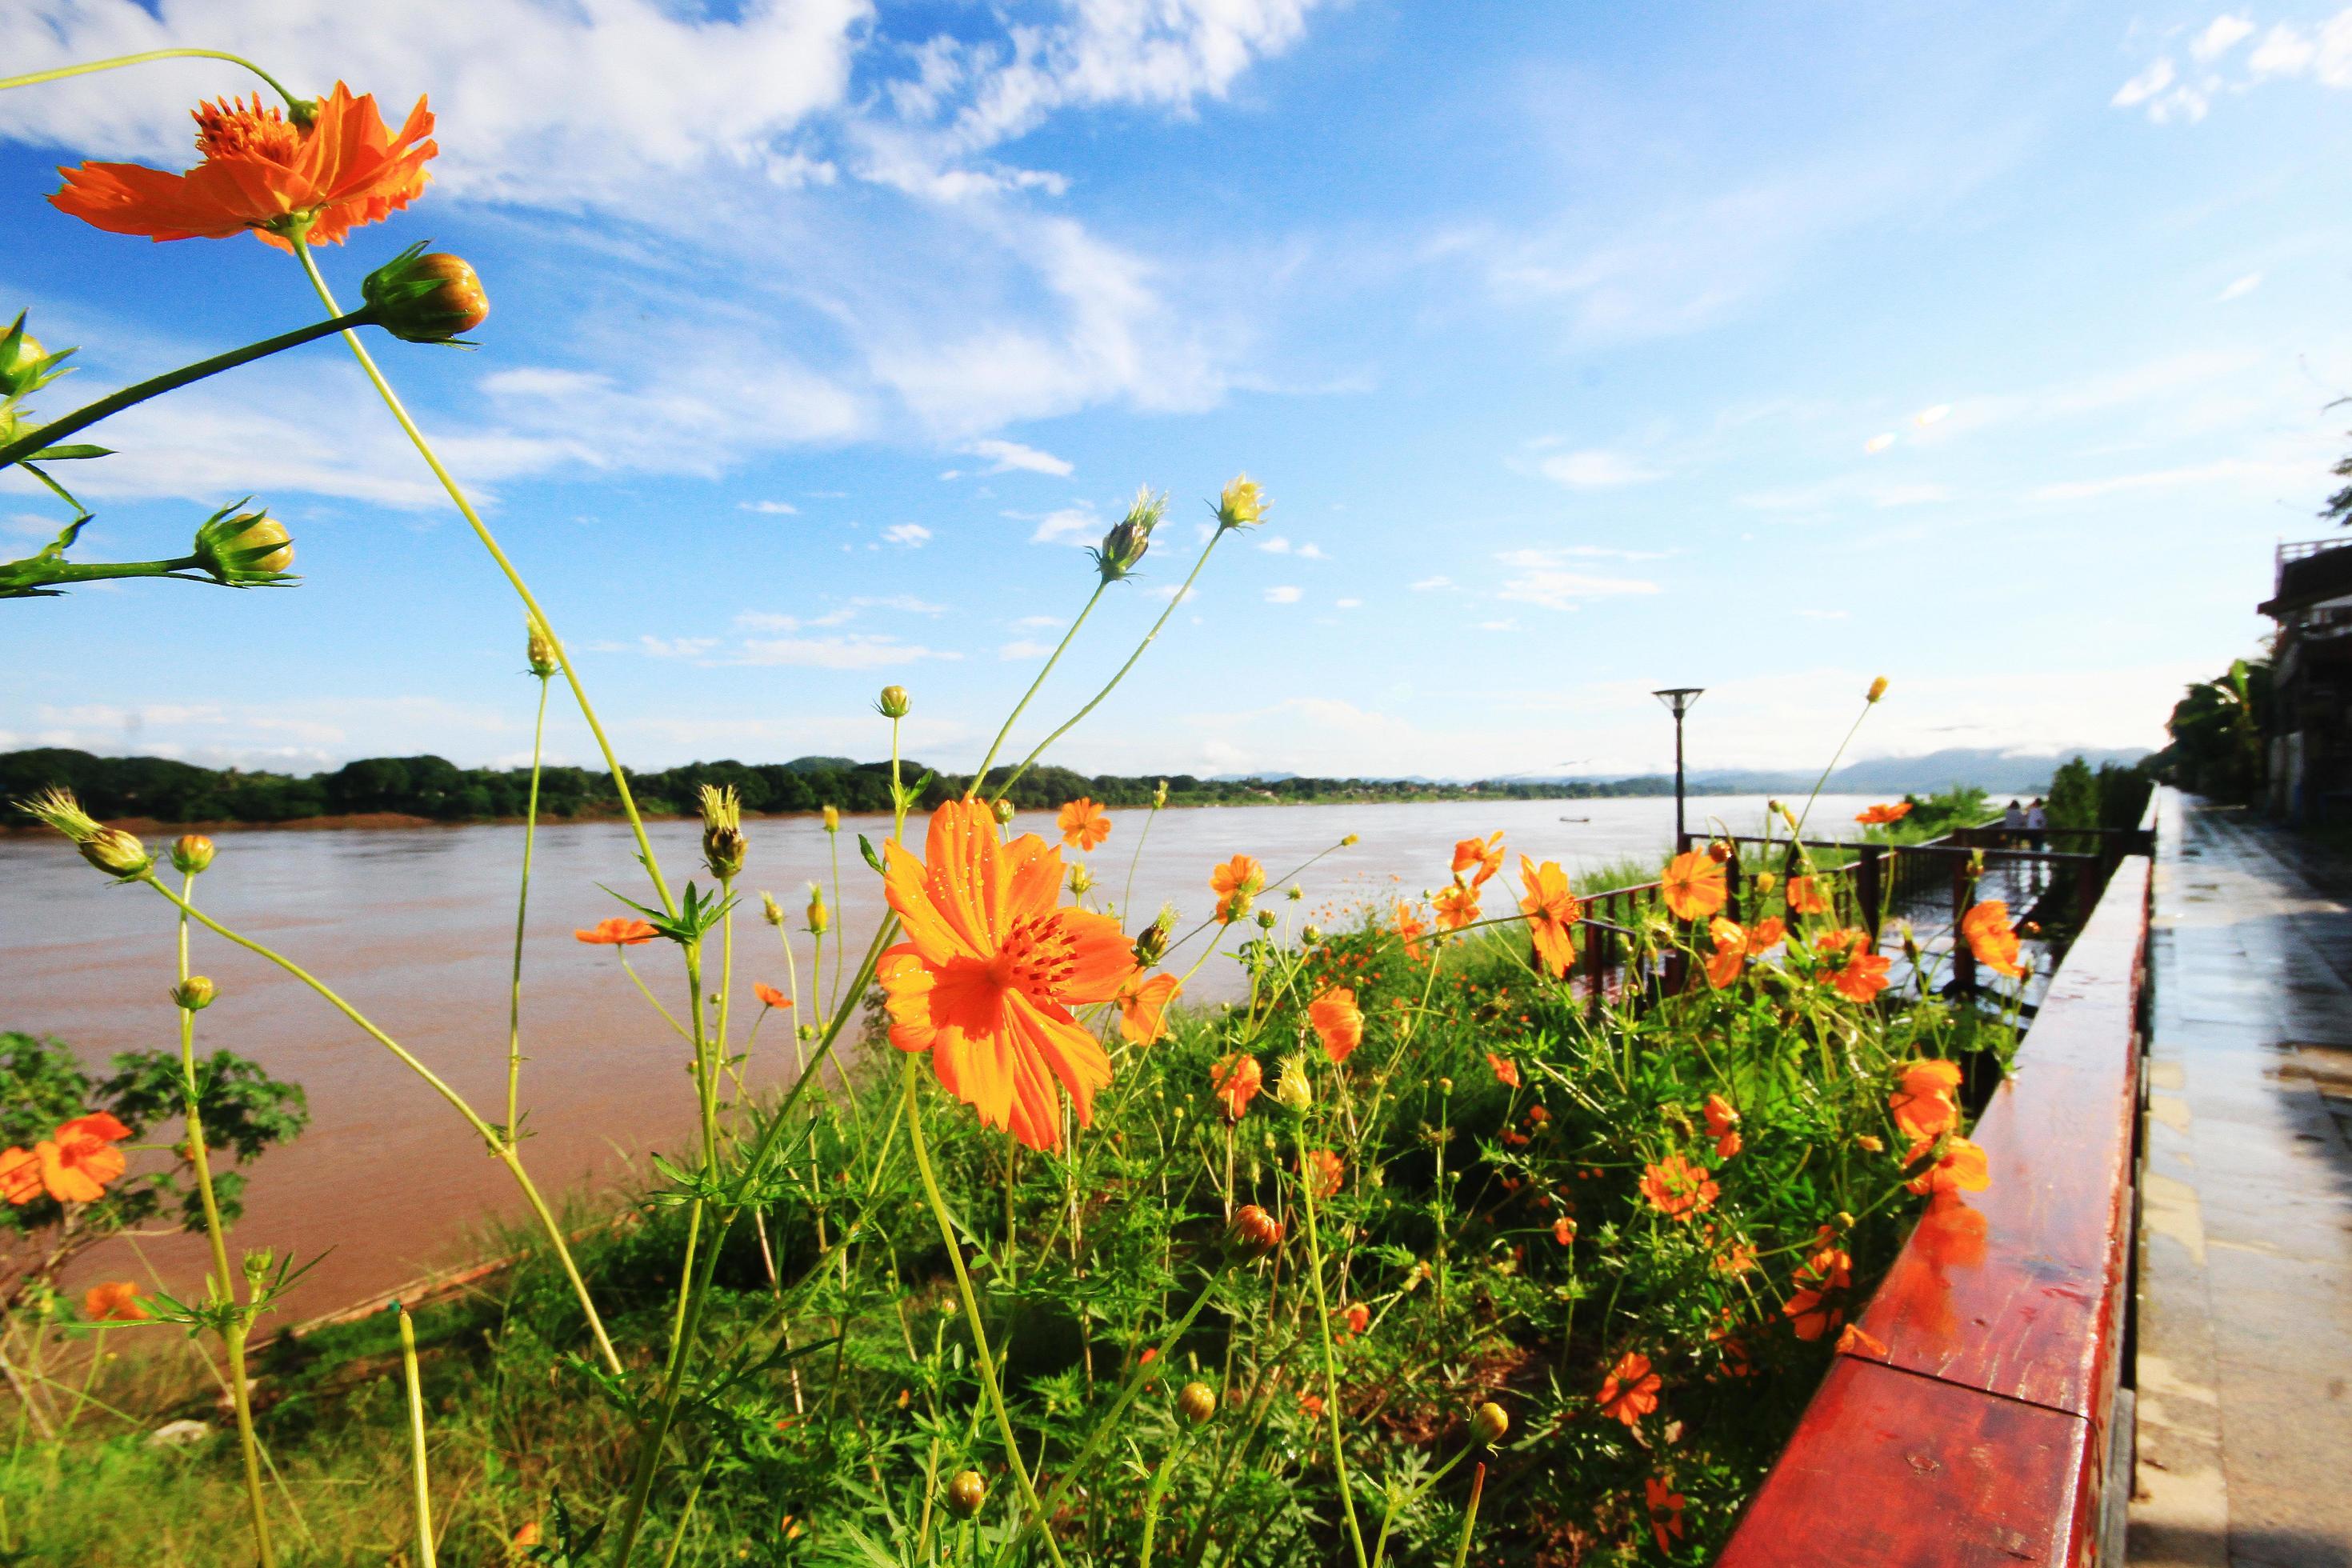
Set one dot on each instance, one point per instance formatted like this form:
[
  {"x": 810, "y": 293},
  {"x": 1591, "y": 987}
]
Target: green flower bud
[
  {"x": 1125, "y": 544},
  {"x": 967, "y": 1493},
  {"x": 1311, "y": 934},
  {"x": 1159, "y": 796},
  {"x": 194, "y": 994},
  {"x": 422, "y": 299},
  {"x": 894, "y": 703},
  {"x": 258, "y": 1264},
  {"x": 723, "y": 845},
  {"x": 191, "y": 853},
  {"x": 1489, "y": 1423},
  {"x": 117, "y": 853},
  {"x": 1151, "y": 945},
  {"x": 1294, "y": 1090},
  {"x": 244, "y": 549},
  {"x": 771, "y": 910},
  {"x": 1081, "y": 879},
  {"x": 819, "y": 920},
  {"x": 1197, "y": 1402},
  {"x": 1004, "y": 813},
  {"x": 540, "y": 649},
  {"x": 1265, "y": 919}
]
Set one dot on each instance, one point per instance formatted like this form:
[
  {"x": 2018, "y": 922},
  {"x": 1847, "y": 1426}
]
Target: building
[{"x": 2310, "y": 730}]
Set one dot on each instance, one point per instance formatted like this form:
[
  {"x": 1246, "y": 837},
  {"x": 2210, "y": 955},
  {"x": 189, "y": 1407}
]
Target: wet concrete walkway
[{"x": 2244, "y": 1353}]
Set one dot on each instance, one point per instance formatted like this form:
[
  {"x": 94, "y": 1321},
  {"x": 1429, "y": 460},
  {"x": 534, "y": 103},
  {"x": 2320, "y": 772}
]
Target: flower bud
[
  {"x": 194, "y": 994},
  {"x": 117, "y": 853},
  {"x": 1254, "y": 1230},
  {"x": 422, "y": 299},
  {"x": 1237, "y": 904},
  {"x": 1295, "y": 893},
  {"x": 1159, "y": 796},
  {"x": 256, "y": 1266},
  {"x": 771, "y": 910},
  {"x": 1765, "y": 882},
  {"x": 1081, "y": 879},
  {"x": 819, "y": 921},
  {"x": 1003, "y": 809},
  {"x": 1125, "y": 544},
  {"x": 1243, "y": 504},
  {"x": 1877, "y": 689},
  {"x": 191, "y": 853},
  {"x": 21, "y": 354},
  {"x": 243, "y": 549},
  {"x": 1265, "y": 919},
  {"x": 723, "y": 845},
  {"x": 539, "y": 648},
  {"x": 1489, "y": 1423},
  {"x": 832, "y": 814},
  {"x": 1197, "y": 1402},
  {"x": 1311, "y": 934},
  {"x": 1349, "y": 841},
  {"x": 1294, "y": 1090},
  {"x": 967, "y": 1493},
  {"x": 894, "y": 703},
  {"x": 1151, "y": 945}
]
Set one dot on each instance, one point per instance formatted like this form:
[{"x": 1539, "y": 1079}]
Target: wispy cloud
[
  {"x": 1285, "y": 595},
  {"x": 913, "y": 535},
  {"x": 849, "y": 650},
  {"x": 2239, "y": 287},
  {"x": 1541, "y": 577},
  {"x": 1005, "y": 457},
  {"x": 1430, "y": 584},
  {"x": 771, "y": 508},
  {"x": 1597, "y": 469}
]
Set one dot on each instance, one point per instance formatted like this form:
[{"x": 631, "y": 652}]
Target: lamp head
[{"x": 1678, "y": 699}]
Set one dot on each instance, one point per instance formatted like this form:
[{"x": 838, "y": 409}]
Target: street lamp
[{"x": 1678, "y": 701}]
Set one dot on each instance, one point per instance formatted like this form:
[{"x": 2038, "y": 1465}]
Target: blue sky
[{"x": 1579, "y": 353}]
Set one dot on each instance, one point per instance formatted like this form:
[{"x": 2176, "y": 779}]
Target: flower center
[
  {"x": 1036, "y": 956},
  {"x": 236, "y": 130}
]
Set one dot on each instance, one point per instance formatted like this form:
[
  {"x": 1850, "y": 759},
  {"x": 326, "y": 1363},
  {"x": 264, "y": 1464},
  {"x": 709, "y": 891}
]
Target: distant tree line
[{"x": 435, "y": 787}]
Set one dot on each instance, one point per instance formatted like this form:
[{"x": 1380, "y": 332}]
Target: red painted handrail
[{"x": 1979, "y": 1435}]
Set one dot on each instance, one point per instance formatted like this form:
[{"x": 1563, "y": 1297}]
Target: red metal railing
[{"x": 1980, "y": 1435}]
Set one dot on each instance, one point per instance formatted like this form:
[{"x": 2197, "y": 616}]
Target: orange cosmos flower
[
  {"x": 1692, "y": 884},
  {"x": 1505, "y": 1070},
  {"x": 1880, "y": 815},
  {"x": 1730, "y": 952},
  {"x": 1142, "y": 1002},
  {"x": 1631, "y": 1390},
  {"x": 1735, "y": 1260},
  {"x": 618, "y": 932},
  {"x": 1722, "y": 1125},
  {"x": 263, "y": 174},
  {"x": 114, "y": 1302},
  {"x": 1323, "y": 1172},
  {"x": 1960, "y": 1168},
  {"x": 1359, "y": 1318},
  {"x": 1486, "y": 855},
  {"x": 991, "y": 969},
  {"x": 1806, "y": 898},
  {"x": 1410, "y": 927},
  {"x": 1812, "y": 1309},
  {"x": 20, "y": 1175},
  {"x": 1564, "y": 1230},
  {"x": 1237, "y": 1081},
  {"x": 1456, "y": 907},
  {"x": 1861, "y": 974},
  {"x": 1678, "y": 1188},
  {"x": 1666, "y": 1506},
  {"x": 79, "y": 1158},
  {"x": 1923, "y": 1105},
  {"x": 1339, "y": 1023},
  {"x": 1991, "y": 937},
  {"x": 1238, "y": 879},
  {"x": 1765, "y": 935},
  {"x": 1552, "y": 912},
  {"x": 1084, "y": 824},
  {"x": 771, "y": 997}
]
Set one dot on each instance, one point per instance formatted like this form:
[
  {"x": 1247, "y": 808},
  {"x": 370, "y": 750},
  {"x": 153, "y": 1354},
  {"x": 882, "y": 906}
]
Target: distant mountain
[
  {"x": 821, "y": 765},
  {"x": 1250, "y": 778},
  {"x": 1987, "y": 767}
]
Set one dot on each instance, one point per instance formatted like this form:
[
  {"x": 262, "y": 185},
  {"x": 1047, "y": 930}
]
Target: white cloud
[
  {"x": 1596, "y": 470},
  {"x": 910, "y": 534},
  {"x": 1285, "y": 595},
  {"x": 2325, "y": 52},
  {"x": 1038, "y": 621},
  {"x": 1024, "y": 648},
  {"x": 1349, "y": 603},
  {"x": 676, "y": 648},
  {"x": 769, "y": 508},
  {"x": 1276, "y": 544},
  {"x": 2220, "y": 36},
  {"x": 2240, "y": 287},
  {"x": 1428, "y": 583},
  {"x": 2144, "y": 87},
  {"x": 1004, "y": 456},
  {"x": 2253, "y": 474},
  {"x": 1541, "y": 579},
  {"x": 1879, "y": 443},
  {"x": 1069, "y": 525},
  {"x": 1935, "y": 414},
  {"x": 850, "y": 650}
]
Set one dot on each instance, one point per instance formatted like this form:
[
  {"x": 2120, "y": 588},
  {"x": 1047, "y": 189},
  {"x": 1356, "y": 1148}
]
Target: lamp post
[{"x": 1678, "y": 701}]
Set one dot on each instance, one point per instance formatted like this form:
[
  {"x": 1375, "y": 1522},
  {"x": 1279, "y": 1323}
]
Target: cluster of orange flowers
[{"x": 72, "y": 1164}]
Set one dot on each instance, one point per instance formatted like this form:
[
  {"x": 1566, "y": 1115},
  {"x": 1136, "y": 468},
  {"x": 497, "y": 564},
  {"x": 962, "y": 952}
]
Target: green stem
[
  {"x": 979, "y": 778},
  {"x": 834, "y": 1004},
  {"x": 1323, "y": 1333},
  {"x": 522, "y": 907},
  {"x": 234, "y": 1336},
  {"x": 482, "y": 1129},
  {"x": 19, "y": 579},
  {"x": 81, "y": 418},
  {"x": 986, "y": 1362},
  {"x": 1470, "y": 1515},
  {"x": 416, "y": 1438},
  {"x": 514, "y": 578},
  {"x": 34, "y": 78},
  {"x": 1109, "y": 685}
]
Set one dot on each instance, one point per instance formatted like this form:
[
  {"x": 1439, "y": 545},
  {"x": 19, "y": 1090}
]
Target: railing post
[
  {"x": 1868, "y": 889},
  {"x": 1964, "y": 957},
  {"x": 1731, "y": 885},
  {"x": 1596, "y": 975}
]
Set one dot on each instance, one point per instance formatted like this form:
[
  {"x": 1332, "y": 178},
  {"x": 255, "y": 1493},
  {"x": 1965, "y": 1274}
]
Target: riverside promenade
[{"x": 2244, "y": 1334}]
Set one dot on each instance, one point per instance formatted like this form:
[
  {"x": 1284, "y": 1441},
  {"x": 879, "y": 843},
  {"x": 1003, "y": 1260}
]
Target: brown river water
[{"x": 413, "y": 927}]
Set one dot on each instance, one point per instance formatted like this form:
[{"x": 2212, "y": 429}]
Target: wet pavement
[{"x": 2244, "y": 1345}]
